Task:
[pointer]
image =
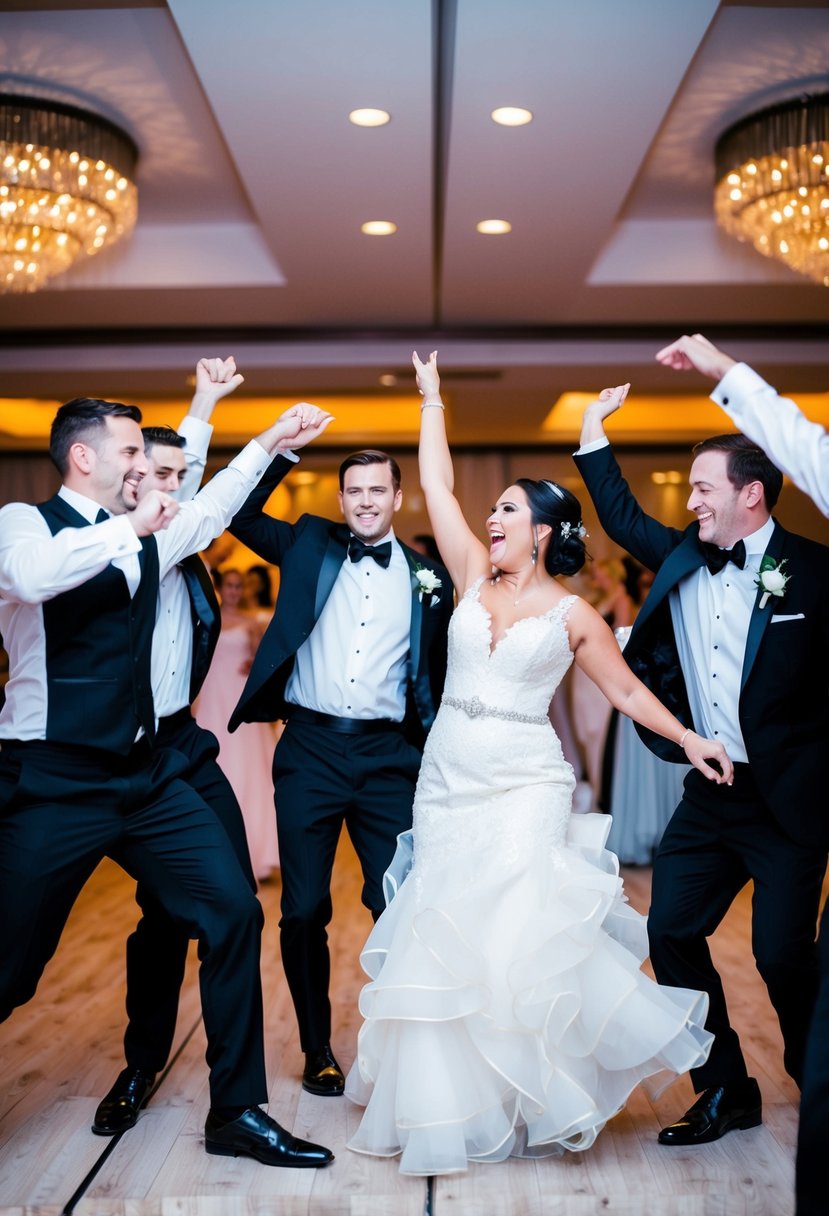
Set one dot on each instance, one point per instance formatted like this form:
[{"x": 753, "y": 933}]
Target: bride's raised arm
[{"x": 465, "y": 557}]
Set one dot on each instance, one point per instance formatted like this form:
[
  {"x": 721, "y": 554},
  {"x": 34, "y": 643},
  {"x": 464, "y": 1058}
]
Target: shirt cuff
[
  {"x": 292, "y": 456},
  {"x": 122, "y": 536},
  {"x": 197, "y": 434},
  {"x": 251, "y": 461},
  {"x": 738, "y": 382},
  {"x": 593, "y": 446}
]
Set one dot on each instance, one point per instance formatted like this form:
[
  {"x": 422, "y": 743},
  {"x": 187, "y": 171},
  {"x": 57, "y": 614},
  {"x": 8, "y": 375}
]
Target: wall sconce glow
[
  {"x": 388, "y": 380},
  {"x": 369, "y": 118},
  {"x": 671, "y": 477},
  {"x": 512, "y": 116},
  {"x": 378, "y": 228},
  {"x": 494, "y": 227}
]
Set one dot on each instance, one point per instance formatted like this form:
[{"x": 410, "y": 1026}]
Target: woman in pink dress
[{"x": 246, "y": 755}]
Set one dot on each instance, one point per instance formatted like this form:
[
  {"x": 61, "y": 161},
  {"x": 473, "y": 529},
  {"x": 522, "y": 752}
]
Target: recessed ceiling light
[
  {"x": 389, "y": 380},
  {"x": 378, "y": 227},
  {"x": 494, "y": 227},
  {"x": 512, "y": 116},
  {"x": 369, "y": 118}
]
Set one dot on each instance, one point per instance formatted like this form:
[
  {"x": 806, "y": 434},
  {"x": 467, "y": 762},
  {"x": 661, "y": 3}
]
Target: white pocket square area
[{"x": 796, "y": 616}]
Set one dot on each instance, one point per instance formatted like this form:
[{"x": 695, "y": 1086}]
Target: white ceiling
[{"x": 253, "y": 186}]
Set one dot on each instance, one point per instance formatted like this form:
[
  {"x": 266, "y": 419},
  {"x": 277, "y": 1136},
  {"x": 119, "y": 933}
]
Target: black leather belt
[{"x": 344, "y": 726}]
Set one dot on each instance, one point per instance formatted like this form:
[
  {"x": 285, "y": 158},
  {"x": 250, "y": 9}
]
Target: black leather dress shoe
[
  {"x": 322, "y": 1074},
  {"x": 255, "y": 1134},
  {"x": 118, "y": 1111},
  {"x": 721, "y": 1109}
]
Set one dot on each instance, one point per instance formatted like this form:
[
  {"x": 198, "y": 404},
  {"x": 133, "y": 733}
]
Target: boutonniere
[
  {"x": 771, "y": 580},
  {"x": 426, "y": 581}
]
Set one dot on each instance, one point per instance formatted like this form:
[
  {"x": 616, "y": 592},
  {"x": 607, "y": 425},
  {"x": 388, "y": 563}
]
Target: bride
[{"x": 506, "y": 1013}]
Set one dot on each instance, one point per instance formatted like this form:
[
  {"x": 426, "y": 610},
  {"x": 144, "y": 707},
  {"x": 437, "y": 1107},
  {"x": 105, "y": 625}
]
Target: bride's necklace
[{"x": 518, "y": 596}]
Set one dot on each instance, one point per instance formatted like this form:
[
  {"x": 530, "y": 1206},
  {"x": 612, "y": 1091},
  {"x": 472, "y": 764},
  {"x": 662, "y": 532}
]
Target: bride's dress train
[{"x": 506, "y": 1014}]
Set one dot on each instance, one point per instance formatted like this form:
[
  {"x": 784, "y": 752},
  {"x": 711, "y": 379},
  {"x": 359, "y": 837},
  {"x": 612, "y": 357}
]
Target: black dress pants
[
  {"x": 323, "y": 779},
  {"x": 157, "y": 950},
  {"x": 718, "y": 838},
  {"x": 63, "y": 808}
]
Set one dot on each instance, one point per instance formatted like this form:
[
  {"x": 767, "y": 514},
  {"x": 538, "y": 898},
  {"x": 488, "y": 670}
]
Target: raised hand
[
  {"x": 155, "y": 511},
  {"x": 610, "y": 400},
  {"x": 217, "y": 377},
  {"x": 300, "y": 425},
  {"x": 693, "y": 351},
  {"x": 428, "y": 380}
]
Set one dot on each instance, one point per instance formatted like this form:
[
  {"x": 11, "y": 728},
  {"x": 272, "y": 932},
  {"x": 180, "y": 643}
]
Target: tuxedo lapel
[
  {"x": 332, "y": 560},
  {"x": 682, "y": 561},
  {"x": 418, "y": 618},
  {"x": 760, "y": 617}
]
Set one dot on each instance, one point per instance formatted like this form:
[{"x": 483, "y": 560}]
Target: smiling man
[
  {"x": 354, "y": 658},
  {"x": 749, "y": 666}
]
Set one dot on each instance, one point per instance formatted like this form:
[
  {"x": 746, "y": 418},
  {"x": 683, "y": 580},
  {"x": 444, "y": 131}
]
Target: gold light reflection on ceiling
[
  {"x": 25, "y": 422},
  {"x": 659, "y": 420}
]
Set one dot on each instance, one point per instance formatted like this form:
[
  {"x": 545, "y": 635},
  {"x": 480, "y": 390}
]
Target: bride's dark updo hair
[{"x": 554, "y": 505}]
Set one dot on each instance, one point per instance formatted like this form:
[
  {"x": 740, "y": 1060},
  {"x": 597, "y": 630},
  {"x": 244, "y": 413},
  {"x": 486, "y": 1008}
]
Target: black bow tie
[
  {"x": 381, "y": 553},
  {"x": 716, "y": 559}
]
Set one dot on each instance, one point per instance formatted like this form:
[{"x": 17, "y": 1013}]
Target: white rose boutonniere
[
  {"x": 426, "y": 582},
  {"x": 771, "y": 580}
]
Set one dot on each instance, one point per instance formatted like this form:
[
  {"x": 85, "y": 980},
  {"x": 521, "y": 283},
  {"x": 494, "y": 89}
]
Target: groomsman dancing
[
  {"x": 354, "y": 658},
  {"x": 734, "y": 638},
  {"x": 80, "y": 775}
]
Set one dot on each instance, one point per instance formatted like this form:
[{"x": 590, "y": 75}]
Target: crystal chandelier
[
  {"x": 66, "y": 188},
  {"x": 773, "y": 183}
]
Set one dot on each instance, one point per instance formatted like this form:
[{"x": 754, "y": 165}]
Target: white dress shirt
[
  {"x": 36, "y": 566},
  {"x": 798, "y": 447},
  {"x": 711, "y": 615},
  {"x": 354, "y": 663}
]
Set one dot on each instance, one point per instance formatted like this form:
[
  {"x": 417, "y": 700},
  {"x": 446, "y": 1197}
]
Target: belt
[
  {"x": 475, "y": 708},
  {"x": 173, "y": 721},
  {"x": 344, "y": 726}
]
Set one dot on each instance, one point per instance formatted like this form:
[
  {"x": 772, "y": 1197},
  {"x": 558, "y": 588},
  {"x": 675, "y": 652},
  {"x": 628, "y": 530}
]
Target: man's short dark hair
[
  {"x": 82, "y": 420},
  {"x": 745, "y": 463},
  {"x": 165, "y": 436},
  {"x": 371, "y": 456}
]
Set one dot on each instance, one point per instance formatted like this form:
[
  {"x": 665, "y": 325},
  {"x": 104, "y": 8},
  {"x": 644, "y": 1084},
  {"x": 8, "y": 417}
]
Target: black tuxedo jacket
[
  {"x": 206, "y": 616},
  {"x": 310, "y": 554},
  {"x": 784, "y": 694}
]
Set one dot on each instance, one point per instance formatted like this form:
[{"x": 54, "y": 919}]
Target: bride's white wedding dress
[{"x": 506, "y": 1014}]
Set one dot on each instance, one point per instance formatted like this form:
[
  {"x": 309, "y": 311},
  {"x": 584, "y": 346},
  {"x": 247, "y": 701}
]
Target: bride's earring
[{"x": 534, "y": 554}]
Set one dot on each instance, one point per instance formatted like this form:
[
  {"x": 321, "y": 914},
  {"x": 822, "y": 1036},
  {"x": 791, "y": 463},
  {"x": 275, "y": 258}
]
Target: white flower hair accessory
[
  {"x": 568, "y": 529},
  {"x": 427, "y": 581},
  {"x": 771, "y": 580}
]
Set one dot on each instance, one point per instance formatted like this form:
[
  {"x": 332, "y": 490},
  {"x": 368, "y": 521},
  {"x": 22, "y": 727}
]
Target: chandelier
[
  {"x": 773, "y": 183},
  {"x": 66, "y": 188}
]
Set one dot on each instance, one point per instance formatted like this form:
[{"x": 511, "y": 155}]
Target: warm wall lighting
[
  {"x": 388, "y": 380},
  {"x": 369, "y": 118},
  {"x": 66, "y": 188},
  {"x": 494, "y": 227},
  {"x": 669, "y": 478},
  {"x": 773, "y": 183},
  {"x": 378, "y": 228},
  {"x": 512, "y": 116}
]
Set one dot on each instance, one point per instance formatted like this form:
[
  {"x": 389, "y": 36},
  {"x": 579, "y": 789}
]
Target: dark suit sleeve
[
  {"x": 268, "y": 537},
  {"x": 621, "y": 516}
]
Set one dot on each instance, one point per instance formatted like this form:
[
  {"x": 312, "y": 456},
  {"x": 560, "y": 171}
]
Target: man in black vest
[
  {"x": 355, "y": 659},
  {"x": 79, "y": 775}
]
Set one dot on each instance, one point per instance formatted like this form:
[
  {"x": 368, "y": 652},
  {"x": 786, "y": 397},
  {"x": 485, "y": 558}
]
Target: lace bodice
[{"x": 523, "y": 670}]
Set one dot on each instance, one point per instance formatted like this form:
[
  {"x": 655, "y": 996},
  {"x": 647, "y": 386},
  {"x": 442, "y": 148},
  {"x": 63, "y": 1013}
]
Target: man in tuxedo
[
  {"x": 81, "y": 775},
  {"x": 801, "y": 449},
  {"x": 744, "y": 657},
  {"x": 185, "y": 635},
  {"x": 354, "y": 659}
]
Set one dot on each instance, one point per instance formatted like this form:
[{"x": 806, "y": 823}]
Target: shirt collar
[
  {"x": 757, "y": 543},
  {"x": 86, "y": 507}
]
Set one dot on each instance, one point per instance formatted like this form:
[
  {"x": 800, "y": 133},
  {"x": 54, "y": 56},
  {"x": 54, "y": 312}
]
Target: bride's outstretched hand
[
  {"x": 428, "y": 380},
  {"x": 699, "y": 750}
]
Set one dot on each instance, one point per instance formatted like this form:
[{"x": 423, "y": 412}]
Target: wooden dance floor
[{"x": 60, "y": 1054}]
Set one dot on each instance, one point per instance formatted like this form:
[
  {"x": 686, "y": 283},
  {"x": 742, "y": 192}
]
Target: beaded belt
[{"x": 475, "y": 708}]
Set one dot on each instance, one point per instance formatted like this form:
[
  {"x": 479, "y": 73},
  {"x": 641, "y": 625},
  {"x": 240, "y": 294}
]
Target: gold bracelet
[{"x": 438, "y": 405}]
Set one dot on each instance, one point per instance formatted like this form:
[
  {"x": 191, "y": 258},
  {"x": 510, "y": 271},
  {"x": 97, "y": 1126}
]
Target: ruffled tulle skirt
[{"x": 506, "y": 1013}]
